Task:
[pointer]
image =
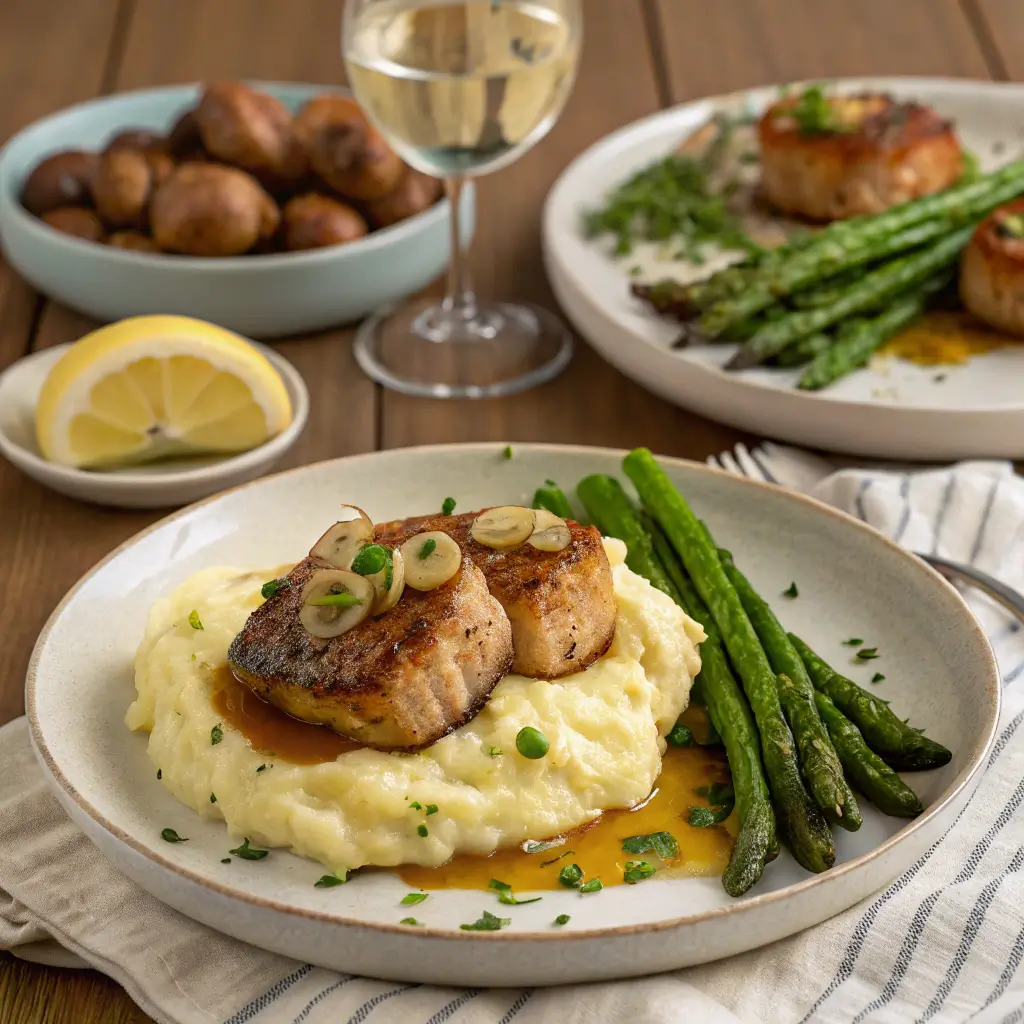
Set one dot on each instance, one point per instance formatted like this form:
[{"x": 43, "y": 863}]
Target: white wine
[{"x": 463, "y": 86}]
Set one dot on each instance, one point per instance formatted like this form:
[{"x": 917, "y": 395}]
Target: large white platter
[
  {"x": 938, "y": 665},
  {"x": 898, "y": 410}
]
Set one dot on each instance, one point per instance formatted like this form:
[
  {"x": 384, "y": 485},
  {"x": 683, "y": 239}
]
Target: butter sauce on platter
[{"x": 937, "y": 665}]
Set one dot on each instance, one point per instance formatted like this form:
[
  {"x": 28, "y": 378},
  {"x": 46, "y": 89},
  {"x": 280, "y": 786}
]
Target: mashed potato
[{"x": 605, "y": 726}]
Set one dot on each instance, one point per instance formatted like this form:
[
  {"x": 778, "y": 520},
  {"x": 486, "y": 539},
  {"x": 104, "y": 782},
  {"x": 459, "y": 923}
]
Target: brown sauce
[
  {"x": 597, "y": 846},
  {"x": 272, "y": 731}
]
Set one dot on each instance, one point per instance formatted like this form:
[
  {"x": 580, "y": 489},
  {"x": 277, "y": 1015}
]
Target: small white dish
[
  {"x": 891, "y": 409},
  {"x": 154, "y": 485},
  {"x": 939, "y": 670}
]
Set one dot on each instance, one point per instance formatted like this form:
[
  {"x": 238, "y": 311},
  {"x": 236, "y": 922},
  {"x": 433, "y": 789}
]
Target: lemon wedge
[{"x": 153, "y": 387}]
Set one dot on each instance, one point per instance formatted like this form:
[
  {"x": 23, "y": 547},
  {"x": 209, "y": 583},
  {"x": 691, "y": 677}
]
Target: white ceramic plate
[
  {"x": 156, "y": 485},
  {"x": 896, "y": 411},
  {"x": 939, "y": 668}
]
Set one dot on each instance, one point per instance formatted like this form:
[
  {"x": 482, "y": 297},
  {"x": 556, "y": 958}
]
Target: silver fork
[{"x": 803, "y": 470}]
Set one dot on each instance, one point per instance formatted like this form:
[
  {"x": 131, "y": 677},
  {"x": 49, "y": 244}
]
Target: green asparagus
[
  {"x": 868, "y": 772},
  {"x": 804, "y": 350},
  {"x": 818, "y": 760},
  {"x": 890, "y": 279},
  {"x": 899, "y": 744},
  {"x": 612, "y": 511},
  {"x": 802, "y": 823},
  {"x": 552, "y": 498}
]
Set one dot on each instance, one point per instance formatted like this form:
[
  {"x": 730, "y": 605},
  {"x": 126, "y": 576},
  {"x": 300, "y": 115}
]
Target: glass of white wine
[{"x": 461, "y": 88}]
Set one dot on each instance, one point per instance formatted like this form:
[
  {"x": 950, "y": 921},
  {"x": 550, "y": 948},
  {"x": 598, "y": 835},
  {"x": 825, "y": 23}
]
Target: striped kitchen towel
[{"x": 943, "y": 943}]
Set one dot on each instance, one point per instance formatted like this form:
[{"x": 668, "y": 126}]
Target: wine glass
[{"x": 460, "y": 88}]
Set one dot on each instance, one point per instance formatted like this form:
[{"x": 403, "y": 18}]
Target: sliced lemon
[{"x": 152, "y": 387}]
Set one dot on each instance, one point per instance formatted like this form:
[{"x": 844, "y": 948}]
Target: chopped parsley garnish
[
  {"x": 555, "y": 860},
  {"x": 679, "y": 736},
  {"x": 571, "y": 876},
  {"x": 422, "y": 831},
  {"x": 814, "y": 114},
  {"x": 431, "y": 809},
  {"x": 594, "y": 885},
  {"x": 637, "y": 871},
  {"x": 447, "y": 508},
  {"x": 246, "y": 852},
  {"x": 416, "y": 805},
  {"x": 412, "y": 920},
  {"x": 330, "y": 881},
  {"x": 1010, "y": 225},
  {"x": 263, "y": 768},
  {"x": 791, "y": 591},
  {"x": 532, "y": 743},
  {"x": 494, "y": 752},
  {"x": 854, "y": 641},
  {"x": 662, "y": 843},
  {"x": 216, "y": 735},
  {"x": 370, "y": 560},
  {"x": 867, "y": 653},
  {"x": 508, "y": 451},
  {"x": 168, "y": 835},
  {"x": 193, "y": 656},
  {"x": 272, "y": 587},
  {"x": 213, "y": 798},
  {"x": 159, "y": 774},
  {"x": 427, "y": 548},
  {"x": 877, "y": 677},
  {"x": 562, "y": 919},
  {"x": 488, "y": 922},
  {"x": 335, "y": 601},
  {"x": 541, "y": 845},
  {"x": 225, "y": 860},
  {"x": 193, "y": 619},
  {"x": 505, "y": 894},
  {"x": 718, "y": 794},
  {"x": 412, "y": 898},
  {"x": 635, "y": 271}
]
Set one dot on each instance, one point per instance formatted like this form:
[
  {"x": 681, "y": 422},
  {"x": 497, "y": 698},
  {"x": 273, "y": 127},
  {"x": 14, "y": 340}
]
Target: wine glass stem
[{"x": 459, "y": 301}]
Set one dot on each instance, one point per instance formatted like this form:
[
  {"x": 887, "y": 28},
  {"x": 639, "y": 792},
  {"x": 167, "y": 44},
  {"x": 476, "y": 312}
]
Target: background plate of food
[
  {"x": 506, "y": 791},
  {"x": 888, "y": 325}
]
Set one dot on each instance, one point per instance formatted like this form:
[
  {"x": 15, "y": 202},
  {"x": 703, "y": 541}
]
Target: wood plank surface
[{"x": 638, "y": 55}]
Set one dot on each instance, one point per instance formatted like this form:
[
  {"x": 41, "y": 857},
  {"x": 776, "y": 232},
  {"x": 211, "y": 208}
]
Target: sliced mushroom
[
  {"x": 550, "y": 533},
  {"x": 504, "y": 527},
  {"x": 345, "y": 539},
  {"x": 335, "y": 601},
  {"x": 387, "y": 596},
  {"x": 431, "y": 560}
]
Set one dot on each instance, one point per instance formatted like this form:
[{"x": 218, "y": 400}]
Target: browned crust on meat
[
  {"x": 388, "y": 683},
  {"x": 895, "y": 152},
  {"x": 992, "y": 272},
  {"x": 547, "y": 595}
]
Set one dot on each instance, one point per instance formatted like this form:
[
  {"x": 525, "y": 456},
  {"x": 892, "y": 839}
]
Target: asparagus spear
[
  {"x": 802, "y": 823},
  {"x": 859, "y": 339},
  {"x": 613, "y": 512},
  {"x": 804, "y": 350},
  {"x": 899, "y": 744},
  {"x": 818, "y": 760},
  {"x": 888, "y": 280},
  {"x": 870, "y": 774},
  {"x": 553, "y": 498}
]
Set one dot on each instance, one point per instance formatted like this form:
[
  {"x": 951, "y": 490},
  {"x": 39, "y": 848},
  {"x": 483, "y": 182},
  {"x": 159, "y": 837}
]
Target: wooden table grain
[{"x": 638, "y": 56}]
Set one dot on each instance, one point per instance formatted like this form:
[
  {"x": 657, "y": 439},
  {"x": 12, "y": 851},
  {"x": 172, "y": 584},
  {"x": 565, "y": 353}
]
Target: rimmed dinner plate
[
  {"x": 893, "y": 409},
  {"x": 938, "y": 665}
]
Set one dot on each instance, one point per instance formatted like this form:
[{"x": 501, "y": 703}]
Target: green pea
[
  {"x": 532, "y": 743},
  {"x": 370, "y": 560}
]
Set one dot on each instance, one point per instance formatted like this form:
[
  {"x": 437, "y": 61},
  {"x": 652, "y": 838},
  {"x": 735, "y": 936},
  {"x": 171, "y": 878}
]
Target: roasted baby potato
[
  {"x": 79, "y": 221},
  {"x": 312, "y": 221},
  {"x": 60, "y": 180},
  {"x": 121, "y": 187},
  {"x": 134, "y": 240},
  {"x": 414, "y": 193}
]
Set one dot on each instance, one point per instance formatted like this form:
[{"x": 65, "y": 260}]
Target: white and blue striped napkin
[{"x": 943, "y": 943}]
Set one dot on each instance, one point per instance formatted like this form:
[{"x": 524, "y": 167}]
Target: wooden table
[{"x": 639, "y": 55}]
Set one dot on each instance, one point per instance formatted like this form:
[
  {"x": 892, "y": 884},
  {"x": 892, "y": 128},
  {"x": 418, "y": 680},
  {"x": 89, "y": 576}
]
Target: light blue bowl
[{"x": 259, "y": 296}]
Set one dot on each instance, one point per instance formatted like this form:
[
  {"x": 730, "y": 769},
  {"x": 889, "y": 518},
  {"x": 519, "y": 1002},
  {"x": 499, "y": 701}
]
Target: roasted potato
[
  {"x": 136, "y": 138},
  {"x": 121, "y": 186},
  {"x": 60, "y": 180},
  {"x": 134, "y": 240},
  {"x": 312, "y": 221},
  {"x": 414, "y": 193},
  {"x": 79, "y": 221}
]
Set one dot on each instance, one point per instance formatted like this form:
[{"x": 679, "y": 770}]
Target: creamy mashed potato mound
[{"x": 605, "y": 726}]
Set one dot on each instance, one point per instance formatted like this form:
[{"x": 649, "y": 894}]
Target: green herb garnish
[
  {"x": 272, "y": 587},
  {"x": 506, "y": 896},
  {"x": 508, "y": 451},
  {"x": 168, "y": 835},
  {"x": 246, "y": 852},
  {"x": 427, "y": 549},
  {"x": 193, "y": 619},
  {"x": 705, "y": 817},
  {"x": 494, "y": 751},
  {"x": 412, "y": 898},
  {"x": 531, "y": 743},
  {"x": 814, "y": 114},
  {"x": 416, "y": 805},
  {"x": 877, "y": 677},
  {"x": 679, "y": 736},
  {"x": 637, "y": 871},
  {"x": 562, "y": 919},
  {"x": 662, "y": 843},
  {"x": 335, "y": 601},
  {"x": 216, "y": 735},
  {"x": 447, "y": 506},
  {"x": 854, "y": 641},
  {"x": 541, "y": 845},
  {"x": 594, "y": 885},
  {"x": 412, "y": 920},
  {"x": 431, "y": 809},
  {"x": 225, "y": 860},
  {"x": 718, "y": 794},
  {"x": 422, "y": 831},
  {"x": 791, "y": 591},
  {"x": 1011, "y": 225},
  {"x": 488, "y": 922},
  {"x": 330, "y": 881},
  {"x": 213, "y": 798},
  {"x": 571, "y": 876},
  {"x": 867, "y": 653},
  {"x": 370, "y": 560},
  {"x": 555, "y": 860}
]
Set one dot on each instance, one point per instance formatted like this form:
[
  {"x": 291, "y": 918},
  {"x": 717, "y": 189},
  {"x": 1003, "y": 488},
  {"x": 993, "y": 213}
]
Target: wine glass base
[{"x": 421, "y": 349}]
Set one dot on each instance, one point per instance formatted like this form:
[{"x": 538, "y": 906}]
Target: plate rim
[
  {"x": 993, "y": 686},
  {"x": 560, "y": 188}
]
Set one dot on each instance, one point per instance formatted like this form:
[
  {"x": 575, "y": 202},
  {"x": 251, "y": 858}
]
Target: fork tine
[
  {"x": 749, "y": 465},
  {"x": 729, "y": 464}
]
